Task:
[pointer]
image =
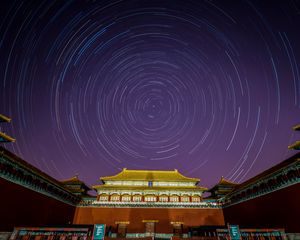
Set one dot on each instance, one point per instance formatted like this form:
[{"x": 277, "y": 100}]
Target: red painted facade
[
  {"x": 279, "y": 209},
  {"x": 21, "y": 206},
  {"x": 135, "y": 217}
]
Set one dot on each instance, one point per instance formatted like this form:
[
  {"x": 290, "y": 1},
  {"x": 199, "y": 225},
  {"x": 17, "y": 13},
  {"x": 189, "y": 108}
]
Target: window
[
  {"x": 163, "y": 199},
  {"x": 137, "y": 198},
  {"x": 196, "y": 199},
  {"x": 115, "y": 198},
  {"x": 126, "y": 198},
  {"x": 185, "y": 199},
  {"x": 150, "y": 199},
  {"x": 103, "y": 198},
  {"x": 174, "y": 199}
]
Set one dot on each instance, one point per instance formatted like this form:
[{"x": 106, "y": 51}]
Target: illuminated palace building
[
  {"x": 136, "y": 200},
  {"x": 143, "y": 187},
  {"x": 144, "y": 203}
]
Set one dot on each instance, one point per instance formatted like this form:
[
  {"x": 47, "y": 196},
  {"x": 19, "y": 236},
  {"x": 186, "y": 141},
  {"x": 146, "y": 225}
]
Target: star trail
[{"x": 210, "y": 88}]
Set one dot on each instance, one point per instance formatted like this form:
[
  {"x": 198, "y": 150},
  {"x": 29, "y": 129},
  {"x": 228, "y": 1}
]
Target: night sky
[{"x": 211, "y": 88}]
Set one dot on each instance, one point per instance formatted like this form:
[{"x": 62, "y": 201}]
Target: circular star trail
[{"x": 209, "y": 88}]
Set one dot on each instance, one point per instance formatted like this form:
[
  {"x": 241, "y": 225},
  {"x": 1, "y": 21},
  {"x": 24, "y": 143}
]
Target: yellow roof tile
[{"x": 149, "y": 175}]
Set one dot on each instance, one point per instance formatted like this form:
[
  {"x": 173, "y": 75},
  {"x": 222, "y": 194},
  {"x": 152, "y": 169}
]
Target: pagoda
[
  {"x": 76, "y": 186},
  {"x": 221, "y": 189},
  {"x": 148, "y": 187}
]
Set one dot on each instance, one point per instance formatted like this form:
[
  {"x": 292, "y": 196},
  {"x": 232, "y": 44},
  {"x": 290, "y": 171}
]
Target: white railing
[{"x": 158, "y": 204}]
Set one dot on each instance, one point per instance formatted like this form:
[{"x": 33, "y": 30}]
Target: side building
[{"x": 268, "y": 200}]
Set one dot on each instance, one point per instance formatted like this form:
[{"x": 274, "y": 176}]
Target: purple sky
[{"x": 210, "y": 88}]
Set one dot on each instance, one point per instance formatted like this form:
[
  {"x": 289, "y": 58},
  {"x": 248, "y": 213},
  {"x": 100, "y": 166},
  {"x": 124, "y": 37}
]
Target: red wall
[
  {"x": 190, "y": 217},
  {"x": 20, "y": 206},
  {"x": 279, "y": 209}
]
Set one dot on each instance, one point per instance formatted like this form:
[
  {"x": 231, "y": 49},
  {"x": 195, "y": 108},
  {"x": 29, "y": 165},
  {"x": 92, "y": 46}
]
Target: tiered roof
[{"x": 154, "y": 176}]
